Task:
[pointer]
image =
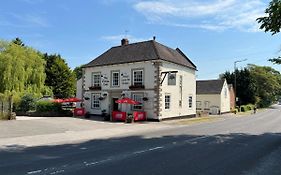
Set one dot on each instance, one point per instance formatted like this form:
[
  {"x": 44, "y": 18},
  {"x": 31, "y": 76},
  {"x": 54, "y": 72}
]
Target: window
[
  {"x": 115, "y": 78},
  {"x": 95, "y": 101},
  {"x": 190, "y": 101},
  {"x": 172, "y": 78},
  {"x": 137, "y": 77},
  {"x": 138, "y": 98},
  {"x": 167, "y": 101},
  {"x": 206, "y": 104},
  {"x": 96, "y": 79}
]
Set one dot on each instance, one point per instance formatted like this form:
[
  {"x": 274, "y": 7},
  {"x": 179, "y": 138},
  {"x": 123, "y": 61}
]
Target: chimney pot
[
  {"x": 154, "y": 38},
  {"x": 124, "y": 41}
]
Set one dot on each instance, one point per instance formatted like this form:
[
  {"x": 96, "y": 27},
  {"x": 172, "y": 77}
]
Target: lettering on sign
[
  {"x": 125, "y": 78},
  {"x": 104, "y": 80}
]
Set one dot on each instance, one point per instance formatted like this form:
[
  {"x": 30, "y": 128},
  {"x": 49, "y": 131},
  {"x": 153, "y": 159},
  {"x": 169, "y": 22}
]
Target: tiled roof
[
  {"x": 209, "y": 86},
  {"x": 141, "y": 51}
]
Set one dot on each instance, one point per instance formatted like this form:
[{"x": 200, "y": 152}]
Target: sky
[{"x": 212, "y": 33}]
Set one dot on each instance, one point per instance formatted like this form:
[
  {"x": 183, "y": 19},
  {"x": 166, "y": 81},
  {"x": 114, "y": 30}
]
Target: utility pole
[{"x": 235, "y": 91}]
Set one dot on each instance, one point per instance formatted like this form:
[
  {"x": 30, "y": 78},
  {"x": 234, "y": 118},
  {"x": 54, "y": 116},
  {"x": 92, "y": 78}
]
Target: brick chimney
[{"x": 124, "y": 42}]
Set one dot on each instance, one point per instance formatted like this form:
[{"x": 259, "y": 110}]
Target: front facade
[
  {"x": 212, "y": 96},
  {"x": 165, "y": 88}
]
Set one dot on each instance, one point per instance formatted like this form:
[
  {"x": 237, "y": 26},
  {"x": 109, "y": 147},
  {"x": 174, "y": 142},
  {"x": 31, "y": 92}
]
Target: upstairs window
[
  {"x": 96, "y": 80},
  {"x": 115, "y": 78},
  {"x": 137, "y": 77}
]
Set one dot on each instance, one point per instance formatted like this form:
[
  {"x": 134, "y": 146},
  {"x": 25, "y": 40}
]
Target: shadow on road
[{"x": 234, "y": 153}]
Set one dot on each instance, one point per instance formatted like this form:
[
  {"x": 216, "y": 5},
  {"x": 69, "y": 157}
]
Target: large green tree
[
  {"x": 60, "y": 77},
  {"x": 22, "y": 69},
  {"x": 256, "y": 84}
]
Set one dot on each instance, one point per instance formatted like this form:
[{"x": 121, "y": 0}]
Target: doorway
[{"x": 114, "y": 105}]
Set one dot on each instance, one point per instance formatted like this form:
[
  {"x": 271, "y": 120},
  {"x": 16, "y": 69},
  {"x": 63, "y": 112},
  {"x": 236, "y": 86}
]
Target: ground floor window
[
  {"x": 206, "y": 105},
  {"x": 95, "y": 101},
  {"x": 167, "y": 101},
  {"x": 190, "y": 101},
  {"x": 138, "y": 98}
]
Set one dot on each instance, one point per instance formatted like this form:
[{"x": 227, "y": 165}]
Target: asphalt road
[{"x": 243, "y": 145}]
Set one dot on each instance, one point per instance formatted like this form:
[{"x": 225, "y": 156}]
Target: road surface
[{"x": 237, "y": 145}]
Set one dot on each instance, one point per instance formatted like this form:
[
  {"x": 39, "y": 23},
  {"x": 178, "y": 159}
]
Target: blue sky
[{"x": 212, "y": 33}]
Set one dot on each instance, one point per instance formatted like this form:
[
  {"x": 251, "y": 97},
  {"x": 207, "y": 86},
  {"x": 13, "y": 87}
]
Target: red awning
[
  {"x": 74, "y": 99},
  {"x": 58, "y": 100}
]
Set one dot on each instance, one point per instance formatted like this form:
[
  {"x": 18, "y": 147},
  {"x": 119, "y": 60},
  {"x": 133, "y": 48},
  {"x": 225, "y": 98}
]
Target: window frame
[
  {"x": 112, "y": 80},
  {"x": 133, "y": 77},
  {"x": 98, "y": 95},
  {"x": 141, "y": 101},
  {"x": 167, "y": 104},
  {"x": 190, "y": 101},
  {"x": 93, "y": 79}
]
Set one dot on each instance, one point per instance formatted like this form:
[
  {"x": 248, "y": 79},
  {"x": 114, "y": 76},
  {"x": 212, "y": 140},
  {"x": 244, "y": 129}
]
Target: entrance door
[{"x": 114, "y": 105}]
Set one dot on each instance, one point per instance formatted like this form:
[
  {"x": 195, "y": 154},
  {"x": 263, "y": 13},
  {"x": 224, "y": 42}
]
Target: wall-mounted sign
[
  {"x": 125, "y": 78},
  {"x": 104, "y": 80}
]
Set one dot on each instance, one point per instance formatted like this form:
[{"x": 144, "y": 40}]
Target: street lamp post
[{"x": 235, "y": 91}]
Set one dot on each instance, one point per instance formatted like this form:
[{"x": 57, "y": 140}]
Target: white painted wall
[
  {"x": 126, "y": 70},
  {"x": 188, "y": 89},
  {"x": 225, "y": 98}
]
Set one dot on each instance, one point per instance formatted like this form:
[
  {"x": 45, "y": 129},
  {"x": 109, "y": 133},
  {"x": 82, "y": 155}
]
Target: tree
[
  {"x": 245, "y": 87},
  {"x": 18, "y": 41},
  {"x": 78, "y": 72},
  {"x": 59, "y": 76},
  {"x": 256, "y": 84},
  {"x": 22, "y": 70},
  {"x": 272, "y": 22}
]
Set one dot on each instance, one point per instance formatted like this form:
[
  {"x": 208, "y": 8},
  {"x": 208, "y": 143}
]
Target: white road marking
[
  {"x": 83, "y": 148},
  {"x": 57, "y": 172},
  {"x": 34, "y": 172}
]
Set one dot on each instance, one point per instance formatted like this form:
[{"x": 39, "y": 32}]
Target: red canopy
[
  {"x": 74, "y": 99},
  {"x": 128, "y": 101},
  {"x": 58, "y": 100}
]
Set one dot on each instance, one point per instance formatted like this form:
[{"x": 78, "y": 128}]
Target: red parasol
[
  {"x": 58, "y": 100},
  {"x": 127, "y": 101},
  {"x": 74, "y": 99}
]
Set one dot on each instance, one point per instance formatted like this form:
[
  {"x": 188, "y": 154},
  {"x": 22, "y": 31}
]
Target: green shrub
[
  {"x": 27, "y": 103},
  {"x": 4, "y": 116},
  {"x": 47, "y": 106},
  {"x": 244, "y": 108}
]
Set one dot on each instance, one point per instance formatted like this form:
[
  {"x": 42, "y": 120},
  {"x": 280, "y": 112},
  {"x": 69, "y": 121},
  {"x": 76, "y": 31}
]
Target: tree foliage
[
  {"x": 256, "y": 84},
  {"x": 78, "y": 72},
  {"x": 59, "y": 76},
  {"x": 272, "y": 22},
  {"x": 22, "y": 69}
]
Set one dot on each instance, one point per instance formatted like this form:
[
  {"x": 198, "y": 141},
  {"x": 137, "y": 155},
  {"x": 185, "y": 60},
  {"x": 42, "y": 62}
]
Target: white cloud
[{"x": 210, "y": 15}]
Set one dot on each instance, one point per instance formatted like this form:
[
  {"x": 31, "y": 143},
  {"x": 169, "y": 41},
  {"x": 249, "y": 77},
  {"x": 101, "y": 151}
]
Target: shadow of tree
[{"x": 234, "y": 153}]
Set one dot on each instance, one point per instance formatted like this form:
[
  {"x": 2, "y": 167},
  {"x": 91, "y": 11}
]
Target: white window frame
[
  {"x": 199, "y": 104},
  {"x": 140, "y": 99},
  {"x": 96, "y": 83},
  {"x": 138, "y": 81},
  {"x": 206, "y": 106},
  {"x": 190, "y": 101},
  {"x": 112, "y": 78},
  {"x": 167, "y": 103},
  {"x": 95, "y": 102}
]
